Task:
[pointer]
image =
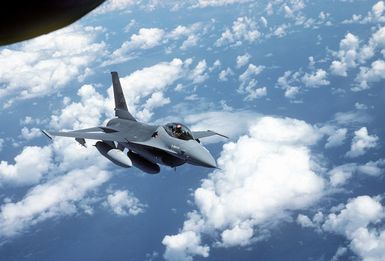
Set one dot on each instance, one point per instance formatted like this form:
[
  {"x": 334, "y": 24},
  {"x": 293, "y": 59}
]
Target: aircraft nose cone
[{"x": 202, "y": 157}]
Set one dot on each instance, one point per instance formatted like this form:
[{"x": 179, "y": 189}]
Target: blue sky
[{"x": 297, "y": 85}]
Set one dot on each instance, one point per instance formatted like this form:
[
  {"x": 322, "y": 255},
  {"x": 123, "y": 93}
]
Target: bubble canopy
[{"x": 178, "y": 130}]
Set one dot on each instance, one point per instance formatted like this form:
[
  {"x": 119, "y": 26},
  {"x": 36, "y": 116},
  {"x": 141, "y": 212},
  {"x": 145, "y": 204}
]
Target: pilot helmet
[{"x": 178, "y": 128}]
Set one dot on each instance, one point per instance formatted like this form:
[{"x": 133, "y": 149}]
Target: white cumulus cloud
[
  {"x": 318, "y": 78},
  {"x": 354, "y": 221},
  {"x": 270, "y": 170},
  {"x": 347, "y": 55},
  {"x": 44, "y": 64},
  {"x": 243, "y": 29},
  {"x": 242, "y": 60},
  {"x": 54, "y": 198},
  {"x": 207, "y": 3},
  {"x": 249, "y": 83},
  {"x": 29, "y": 167},
  {"x": 124, "y": 204},
  {"x": 362, "y": 142}
]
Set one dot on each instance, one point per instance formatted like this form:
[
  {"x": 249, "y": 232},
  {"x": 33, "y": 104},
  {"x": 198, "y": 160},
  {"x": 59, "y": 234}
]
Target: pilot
[{"x": 178, "y": 130}]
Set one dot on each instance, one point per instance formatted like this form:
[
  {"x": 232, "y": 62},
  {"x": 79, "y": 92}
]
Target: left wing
[
  {"x": 204, "y": 134},
  {"x": 97, "y": 133}
]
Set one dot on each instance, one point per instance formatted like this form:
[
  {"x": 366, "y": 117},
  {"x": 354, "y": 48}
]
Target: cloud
[
  {"x": 242, "y": 60},
  {"x": 270, "y": 168},
  {"x": 29, "y": 134},
  {"x": 341, "y": 174},
  {"x": 199, "y": 74},
  {"x": 375, "y": 15},
  {"x": 243, "y": 29},
  {"x": 44, "y": 64},
  {"x": 378, "y": 9},
  {"x": 375, "y": 73},
  {"x": 356, "y": 221},
  {"x": 143, "y": 89},
  {"x": 54, "y": 198},
  {"x": 1, "y": 144},
  {"x": 337, "y": 138},
  {"x": 289, "y": 82},
  {"x": 351, "y": 55},
  {"x": 352, "y": 118},
  {"x": 250, "y": 72},
  {"x": 347, "y": 55},
  {"x": 341, "y": 251},
  {"x": 156, "y": 100},
  {"x": 124, "y": 204},
  {"x": 372, "y": 168},
  {"x": 360, "y": 106},
  {"x": 146, "y": 38},
  {"x": 85, "y": 113},
  {"x": 186, "y": 244},
  {"x": 114, "y": 5},
  {"x": 315, "y": 80},
  {"x": 368, "y": 75},
  {"x": 249, "y": 83},
  {"x": 192, "y": 40},
  {"x": 336, "y": 135},
  {"x": 208, "y": 3},
  {"x": 145, "y": 82},
  {"x": 224, "y": 74},
  {"x": 304, "y": 221},
  {"x": 29, "y": 168},
  {"x": 280, "y": 31},
  {"x": 361, "y": 142},
  {"x": 359, "y": 220},
  {"x": 378, "y": 38},
  {"x": 229, "y": 123},
  {"x": 294, "y": 7}
]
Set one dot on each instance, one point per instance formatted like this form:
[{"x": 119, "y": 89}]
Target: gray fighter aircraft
[{"x": 172, "y": 144}]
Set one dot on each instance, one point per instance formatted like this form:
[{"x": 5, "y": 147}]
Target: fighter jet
[{"x": 147, "y": 146}]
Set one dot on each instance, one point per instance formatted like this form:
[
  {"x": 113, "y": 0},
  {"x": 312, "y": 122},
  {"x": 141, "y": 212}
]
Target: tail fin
[{"x": 121, "y": 110}]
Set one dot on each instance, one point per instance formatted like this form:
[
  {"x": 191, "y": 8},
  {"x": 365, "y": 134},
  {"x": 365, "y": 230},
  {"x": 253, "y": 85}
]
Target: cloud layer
[{"x": 271, "y": 170}]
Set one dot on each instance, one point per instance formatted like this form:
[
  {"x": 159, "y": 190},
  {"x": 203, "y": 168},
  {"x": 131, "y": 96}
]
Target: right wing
[
  {"x": 97, "y": 133},
  {"x": 204, "y": 134}
]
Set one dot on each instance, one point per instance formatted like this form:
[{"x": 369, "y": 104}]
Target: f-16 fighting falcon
[{"x": 148, "y": 146}]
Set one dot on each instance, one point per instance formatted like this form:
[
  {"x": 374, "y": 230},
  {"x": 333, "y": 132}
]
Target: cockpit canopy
[{"x": 178, "y": 131}]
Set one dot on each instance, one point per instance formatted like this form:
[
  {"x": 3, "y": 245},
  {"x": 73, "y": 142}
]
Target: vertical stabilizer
[{"x": 121, "y": 110}]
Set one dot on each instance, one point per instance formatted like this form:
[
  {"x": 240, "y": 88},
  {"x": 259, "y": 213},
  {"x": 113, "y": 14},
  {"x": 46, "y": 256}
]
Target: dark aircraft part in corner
[
  {"x": 143, "y": 164},
  {"x": 115, "y": 155},
  {"x": 22, "y": 20}
]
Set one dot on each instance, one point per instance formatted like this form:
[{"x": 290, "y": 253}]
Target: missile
[{"x": 115, "y": 155}]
